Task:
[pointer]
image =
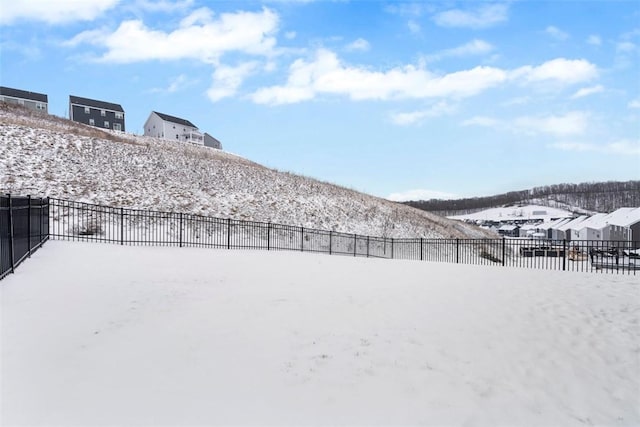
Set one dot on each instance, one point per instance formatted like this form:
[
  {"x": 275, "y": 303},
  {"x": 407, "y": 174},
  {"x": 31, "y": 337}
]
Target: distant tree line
[{"x": 590, "y": 196}]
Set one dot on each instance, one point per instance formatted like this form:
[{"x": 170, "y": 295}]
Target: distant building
[
  {"x": 510, "y": 230},
  {"x": 31, "y": 100},
  {"x": 172, "y": 128},
  {"x": 96, "y": 113},
  {"x": 210, "y": 141}
]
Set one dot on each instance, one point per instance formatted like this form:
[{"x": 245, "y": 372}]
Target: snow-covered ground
[
  {"x": 516, "y": 213},
  {"x": 49, "y": 156},
  {"x": 104, "y": 334}
]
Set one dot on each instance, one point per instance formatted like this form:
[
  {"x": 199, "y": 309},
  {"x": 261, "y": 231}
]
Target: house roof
[
  {"x": 624, "y": 217},
  {"x": 23, "y": 94},
  {"x": 594, "y": 221},
  {"x": 554, "y": 224},
  {"x": 177, "y": 120},
  {"x": 508, "y": 227},
  {"x": 571, "y": 225},
  {"x": 95, "y": 103}
]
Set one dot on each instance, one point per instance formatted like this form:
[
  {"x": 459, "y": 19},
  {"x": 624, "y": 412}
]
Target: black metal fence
[
  {"x": 24, "y": 227},
  {"x": 88, "y": 222}
]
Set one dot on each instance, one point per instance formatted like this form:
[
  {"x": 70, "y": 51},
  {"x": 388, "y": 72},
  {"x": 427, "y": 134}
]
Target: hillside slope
[{"x": 49, "y": 156}]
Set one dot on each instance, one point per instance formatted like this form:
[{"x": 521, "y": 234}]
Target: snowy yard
[{"x": 116, "y": 335}]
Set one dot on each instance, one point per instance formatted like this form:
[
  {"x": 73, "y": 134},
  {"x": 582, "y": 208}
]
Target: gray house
[
  {"x": 210, "y": 141},
  {"x": 96, "y": 113},
  {"x": 171, "y": 128},
  {"x": 31, "y": 100}
]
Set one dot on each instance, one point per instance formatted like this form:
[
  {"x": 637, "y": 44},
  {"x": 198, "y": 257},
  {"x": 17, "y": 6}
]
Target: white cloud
[
  {"x": 414, "y": 27},
  {"x": 474, "y": 47},
  {"x": 421, "y": 194},
  {"x": 165, "y": 6},
  {"x": 586, "y": 91},
  {"x": 326, "y": 74},
  {"x": 556, "y": 33},
  {"x": 625, "y": 47},
  {"x": 482, "y": 17},
  {"x": 572, "y": 123},
  {"x": 440, "y": 109},
  {"x": 199, "y": 36},
  {"x": 560, "y": 70},
  {"x": 53, "y": 11},
  {"x": 594, "y": 40},
  {"x": 176, "y": 84},
  {"x": 634, "y": 103},
  {"x": 622, "y": 147},
  {"x": 227, "y": 80},
  {"x": 521, "y": 100},
  {"x": 290, "y": 35},
  {"x": 359, "y": 45}
]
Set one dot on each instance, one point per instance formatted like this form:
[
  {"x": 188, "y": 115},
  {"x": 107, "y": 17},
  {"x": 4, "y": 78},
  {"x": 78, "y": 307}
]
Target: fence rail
[
  {"x": 24, "y": 227},
  {"x": 88, "y": 222}
]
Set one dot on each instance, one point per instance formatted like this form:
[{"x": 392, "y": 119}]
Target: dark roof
[
  {"x": 178, "y": 120},
  {"x": 95, "y": 104},
  {"x": 23, "y": 94}
]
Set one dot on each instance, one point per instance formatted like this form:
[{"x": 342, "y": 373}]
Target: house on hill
[
  {"x": 31, "y": 100},
  {"x": 171, "y": 128},
  {"x": 96, "y": 113},
  {"x": 210, "y": 141}
]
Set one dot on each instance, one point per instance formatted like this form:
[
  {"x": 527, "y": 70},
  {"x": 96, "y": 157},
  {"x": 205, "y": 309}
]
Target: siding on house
[
  {"x": 210, "y": 141},
  {"x": 96, "y": 113},
  {"x": 32, "y": 100},
  {"x": 171, "y": 128}
]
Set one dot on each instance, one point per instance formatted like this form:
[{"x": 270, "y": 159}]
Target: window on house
[
  {"x": 92, "y": 122},
  {"x": 117, "y": 126},
  {"x": 103, "y": 113},
  {"x": 86, "y": 110},
  {"x": 119, "y": 116},
  {"x": 106, "y": 124},
  {"x": 39, "y": 106}
]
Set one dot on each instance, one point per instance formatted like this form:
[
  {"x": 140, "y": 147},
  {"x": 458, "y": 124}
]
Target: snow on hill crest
[{"x": 50, "y": 156}]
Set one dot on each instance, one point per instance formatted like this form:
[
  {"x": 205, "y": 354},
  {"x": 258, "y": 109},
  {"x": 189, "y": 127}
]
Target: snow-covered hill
[{"x": 49, "y": 156}]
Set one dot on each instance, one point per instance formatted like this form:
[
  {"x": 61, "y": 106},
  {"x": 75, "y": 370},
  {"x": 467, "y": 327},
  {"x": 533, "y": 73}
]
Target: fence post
[
  {"x": 367, "y": 246},
  {"x": 11, "y": 257},
  {"x": 228, "y": 233},
  {"x": 269, "y": 236},
  {"x": 180, "y": 229},
  {"x": 564, "y": 258},
  {"x": 355, "y": 244},
  {"x": 392, "y": 256},
  {"x": 41, "y": 218},
  {"x": 46, "y": 218},
  {"x": 29, "y": 226},
  {"x": 457, "y": 251},
  {"x": 504, "y": 240},
  {"x": 301, "y": 239},
  {"x": 122, "y": 226},
  {"x": 421, "y": 245}
]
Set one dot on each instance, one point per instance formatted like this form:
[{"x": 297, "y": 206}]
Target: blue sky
[{"x": 397, "y": 99}]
